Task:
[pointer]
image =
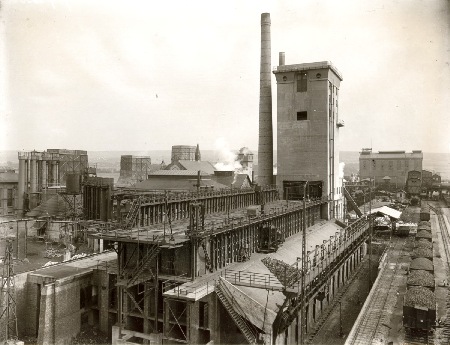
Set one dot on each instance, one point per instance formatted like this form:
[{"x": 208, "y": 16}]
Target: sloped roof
[
  {"x": 56, "y": 206},
  {"x": 9, "y": 177},
  {"x": 187, "y": 184},
  {"x": 176, "y": 173},
  {"x": 387, "y": 211},
  {"x": 238, "y": 182},
  {"x": 197, "y": 165}
]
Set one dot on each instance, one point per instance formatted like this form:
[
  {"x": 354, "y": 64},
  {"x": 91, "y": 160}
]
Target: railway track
[
  {"x": 445, "y": 335},
  {"x": 374, "y": 315}
]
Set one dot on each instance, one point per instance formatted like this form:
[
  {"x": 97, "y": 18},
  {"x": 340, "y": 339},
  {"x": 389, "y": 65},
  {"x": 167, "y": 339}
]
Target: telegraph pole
[{"x": 302, "y": 301}]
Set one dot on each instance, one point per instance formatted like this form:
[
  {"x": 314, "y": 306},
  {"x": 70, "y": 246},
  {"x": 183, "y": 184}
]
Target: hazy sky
[{"x": 129, "y": 75}]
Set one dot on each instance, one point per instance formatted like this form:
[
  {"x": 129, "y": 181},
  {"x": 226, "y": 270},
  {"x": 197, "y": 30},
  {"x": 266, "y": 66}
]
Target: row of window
[{"x": 389, "y": 165}]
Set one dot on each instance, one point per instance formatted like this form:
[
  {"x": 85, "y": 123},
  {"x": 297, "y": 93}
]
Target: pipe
[{"x": 265, "y": 144}]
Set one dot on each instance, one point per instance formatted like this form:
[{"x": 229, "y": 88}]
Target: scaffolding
[{"x": 8, "y": 294}]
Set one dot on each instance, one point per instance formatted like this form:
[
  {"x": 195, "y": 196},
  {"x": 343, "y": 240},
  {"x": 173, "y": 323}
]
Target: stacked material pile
[
  {"x": 423, "y": 234},
  {"x": 286, "y": 274},
  {"x": 421, "y": 264},
  {"x": 420, "y": 296},
  {"x": 422, "y": 253},
  {"x": 421, "y": 278},
  {"x": 423, "y": 243}
]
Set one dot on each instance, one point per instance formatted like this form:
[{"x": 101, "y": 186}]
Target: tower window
[
  {"x": 302, "y": 115},
  {"x": 302, "y": 82}
]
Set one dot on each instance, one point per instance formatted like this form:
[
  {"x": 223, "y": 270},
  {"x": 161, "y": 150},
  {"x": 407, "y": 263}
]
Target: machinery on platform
[{"x": 269, "y": 239}]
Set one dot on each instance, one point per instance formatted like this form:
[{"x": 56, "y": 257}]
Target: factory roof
[
  {"x": 9, "y": 177},
  {"x": 73, "y": 268},
  {"x": 367, "y": 154},
  {"x": 387, "y": 211},
  {"x": 308, "y": 66},
  {"x": 56, "y": 206},
  {"x": 236, "y": 181},
  {"x": 188, "y": 183},
  {"x": 176, "y": 172},
  {"x": 183, "y": 164}
]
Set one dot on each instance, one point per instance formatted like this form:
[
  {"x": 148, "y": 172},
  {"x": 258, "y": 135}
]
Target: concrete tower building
[
  {"x": 308, "y": 132},
  {"x": 265, "y": 144}
]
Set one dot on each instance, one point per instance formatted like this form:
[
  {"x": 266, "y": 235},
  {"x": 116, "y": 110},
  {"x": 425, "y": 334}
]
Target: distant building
[
  {"x": 135, "y": 169},
  {"x": 178, "y": 181},
  {"x": 41, "y": 170},
  {"x": 185, "y": 152},
  {"x": 9, "y": 180},
  {"x": 395, "y": 164}
]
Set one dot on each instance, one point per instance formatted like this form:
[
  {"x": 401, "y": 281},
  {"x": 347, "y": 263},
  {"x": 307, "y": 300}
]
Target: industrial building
[
  {"x": 39, "y": 171},
  {"x": 392, "y": 164},
  {"x": 255, "y": 264},
  {"x": 185, "y": 152},
  {"x": 8, "y": 191},
  {"x": 134, "y": 169},
  {"x": 308, "y": 131}
]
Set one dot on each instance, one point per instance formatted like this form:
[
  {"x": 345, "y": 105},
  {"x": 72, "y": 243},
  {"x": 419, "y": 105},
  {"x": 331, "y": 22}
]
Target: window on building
[
  {"x": 302, "y": 82},
  {"x": 9, "y": 198},
  {"x": 302, "y": 115},
  {"x": 203, "y": 314}
]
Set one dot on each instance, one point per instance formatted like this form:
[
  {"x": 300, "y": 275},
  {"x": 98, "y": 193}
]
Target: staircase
[
  {"x": 130, "y": 219},
  {"x": 145, "y": 264},
  {"x": 227, "y": 300},
  {"x": 352, "y": 202}
]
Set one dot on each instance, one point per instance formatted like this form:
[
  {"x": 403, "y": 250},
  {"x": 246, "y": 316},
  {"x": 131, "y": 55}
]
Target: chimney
[
  {"x": 265, "y": 144},
  {"x": 281, "y": 58}
]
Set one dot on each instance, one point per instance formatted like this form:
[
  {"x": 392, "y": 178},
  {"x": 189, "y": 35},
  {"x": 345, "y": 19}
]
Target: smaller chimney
[{"x": 281, "y": 58}]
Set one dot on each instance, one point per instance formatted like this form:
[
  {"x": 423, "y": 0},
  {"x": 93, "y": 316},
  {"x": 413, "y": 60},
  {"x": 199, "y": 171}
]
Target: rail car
[
  {"x": 419, "y": 302},
  {"x": 425, "y": 213},
  {"x": 414, "y": 183}
]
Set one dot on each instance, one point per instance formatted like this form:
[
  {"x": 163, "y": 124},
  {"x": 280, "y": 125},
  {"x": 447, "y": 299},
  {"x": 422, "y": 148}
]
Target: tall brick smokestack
[{"x": 265, "y": 145}]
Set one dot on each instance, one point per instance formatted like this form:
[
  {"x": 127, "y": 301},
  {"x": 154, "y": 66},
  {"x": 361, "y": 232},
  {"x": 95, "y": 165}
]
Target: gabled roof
[
  {"x": 387, "y": 211},
  {"x": 194, "y": 166}
]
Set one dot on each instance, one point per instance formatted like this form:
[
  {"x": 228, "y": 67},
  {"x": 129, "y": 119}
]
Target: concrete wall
[{"x": 305, "y": 151}]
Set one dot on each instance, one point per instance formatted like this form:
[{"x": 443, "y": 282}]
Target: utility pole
[{"x": 302, "y": 300}]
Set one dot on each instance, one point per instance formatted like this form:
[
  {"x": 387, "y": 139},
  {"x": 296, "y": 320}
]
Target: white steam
[{"x": 341, "y": 169}]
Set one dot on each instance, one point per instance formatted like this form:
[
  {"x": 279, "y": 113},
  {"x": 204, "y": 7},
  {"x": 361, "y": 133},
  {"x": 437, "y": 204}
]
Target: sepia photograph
[{"x": 225, "y": 172}]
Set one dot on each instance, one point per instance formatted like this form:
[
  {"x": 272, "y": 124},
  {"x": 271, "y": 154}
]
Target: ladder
[
  {"x": 225, "y": 298},
  {"x": 145, "y": 264},
  {"x": 130, "y": 219},
  {"x": 207, "y": 259}
]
